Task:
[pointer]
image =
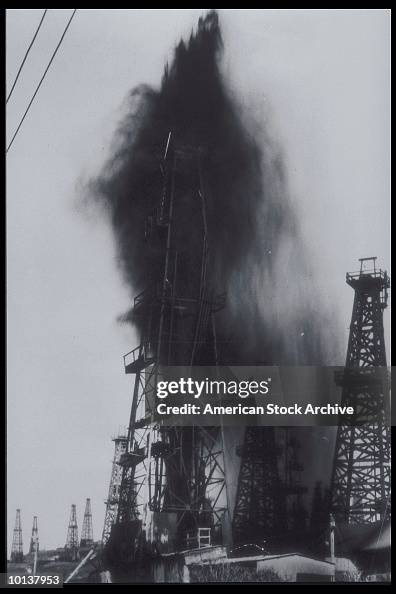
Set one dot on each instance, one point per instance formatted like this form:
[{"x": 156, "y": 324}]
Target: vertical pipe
[
  {"x": 332, "y": 548},
  {"x": 166, "y": 267}
]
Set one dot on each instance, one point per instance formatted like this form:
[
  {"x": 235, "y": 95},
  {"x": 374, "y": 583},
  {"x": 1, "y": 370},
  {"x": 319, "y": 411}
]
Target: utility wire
[
  {"x": 26, "y": 55},
  {"x": 41, "y": 80}
]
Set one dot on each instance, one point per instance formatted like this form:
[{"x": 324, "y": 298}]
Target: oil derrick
[
  {"x": 17, "y": 546},
  {"x": 296, "y": 514},
  {"x": 71, "y": 547},
  {"x": 259, "y": 513},
  {"x": 34, "y": 541},
  {"x": 86, "y": 541},
  {"x": 120, "y": 443},
  {"x": 361, "y": 471},
  {"x": 173, "y": 477}
]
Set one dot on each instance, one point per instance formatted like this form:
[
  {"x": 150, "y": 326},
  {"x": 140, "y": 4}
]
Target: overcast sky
[{"x": 320, "y": 78}]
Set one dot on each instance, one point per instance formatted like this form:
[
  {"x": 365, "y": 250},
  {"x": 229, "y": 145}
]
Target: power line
[
  {"x": 26, "y": 54},
  {"x": 41, "y": 80}
]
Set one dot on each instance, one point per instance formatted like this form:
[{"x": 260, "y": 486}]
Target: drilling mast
[
  {"x": 259, "y": 511},
  {"x": 173, "y": 475},
  {"x": 87, "y": 541},
  {"x": 71, "y": 547},
  {"x": 120, "y": 444},
  {"x": 17, "y": 546},
  {"x": 361, "y": 471}
]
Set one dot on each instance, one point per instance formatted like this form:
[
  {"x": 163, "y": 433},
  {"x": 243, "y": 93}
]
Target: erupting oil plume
[{"x": 255, "y": 252}]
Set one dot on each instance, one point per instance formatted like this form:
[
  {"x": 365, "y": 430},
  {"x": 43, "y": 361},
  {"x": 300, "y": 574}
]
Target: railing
[
  {"x": 204, "y": 538},
  {"x": 133, "y": 458},
  {"x": 133, "y": 356},
  {"x": 373, "y": 273},
  {"x": 200, "y": 539},
  {"x": 145, "y": 296},
  {"x": 137, "y": 359},
  {"x": 154, "y": 293}
]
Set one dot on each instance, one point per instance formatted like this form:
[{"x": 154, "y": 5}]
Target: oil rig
[
  {"x": 361, "y": 471},
  {"x": 120, "y": 444},
  {"x": 168, "y": 489},
  {"x": 87, "y": 541},
  {"x": 71, "y": 546},
  {"x": 172, "y": 478},
  {"x": 17, "y": 543}
]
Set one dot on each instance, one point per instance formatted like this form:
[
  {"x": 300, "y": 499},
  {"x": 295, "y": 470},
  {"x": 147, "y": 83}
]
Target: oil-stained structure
[
  {"x": 259, "y": 511},
  {"x": 269, "y": 507},
  {"x": 173, "y": 479}
]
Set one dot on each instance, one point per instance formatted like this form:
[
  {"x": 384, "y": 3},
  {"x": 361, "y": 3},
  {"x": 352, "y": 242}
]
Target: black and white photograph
[{"x": 198, "y": 237}]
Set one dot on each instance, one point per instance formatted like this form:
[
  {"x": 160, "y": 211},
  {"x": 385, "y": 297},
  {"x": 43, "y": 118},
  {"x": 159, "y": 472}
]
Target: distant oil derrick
[
  {"x": 361, "y": 472},
  {"x": 17, "y": 545},
  {"x": 120, "y": 444},
  {"x": 87, "y": 541},
  {"x": 71, "y": 547}
]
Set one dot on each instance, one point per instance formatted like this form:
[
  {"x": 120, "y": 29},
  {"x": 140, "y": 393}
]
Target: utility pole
[
  {"x": 34, "y": 544},
  {"x": 34, "y": 538},
  {"x": 332, "y": 549},
  {"x": 332, "y": 528}
]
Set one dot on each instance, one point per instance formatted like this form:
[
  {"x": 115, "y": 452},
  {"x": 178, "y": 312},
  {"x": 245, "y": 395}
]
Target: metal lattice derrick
[
  {"x": 132, "y": 456},
  {"x": 87, "y": 530},
  {"x": 120, "y": 443},
  {"x": 210, "y": 488},
  {"x": 198, "y": 458},
  {"x": 361, "y": 481},
  {"x": 71, "y": 547},
  {"x": 172, "y": 469},
  {"x": 17, "y": 545},
  {"x": 259, "y": 512},
  {"x": 361, "y": 470},
  {"x": 135, "y": 460},
  {"x": 187, "y": 477}
]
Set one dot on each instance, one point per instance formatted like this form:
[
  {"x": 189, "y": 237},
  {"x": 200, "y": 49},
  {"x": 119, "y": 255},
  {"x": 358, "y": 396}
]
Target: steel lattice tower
[
  {"x": 173, "y": 470},
  {"x": 71, "y": 547},
  {"x": 87, "y": 532},
  {"x": 17, "y": 546},
  {"x": 120, "y": 444},
  {"x": 260, "y": 511},
  {"x": 34, "y": 541},
  {"x": 361, "y": 472}
]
